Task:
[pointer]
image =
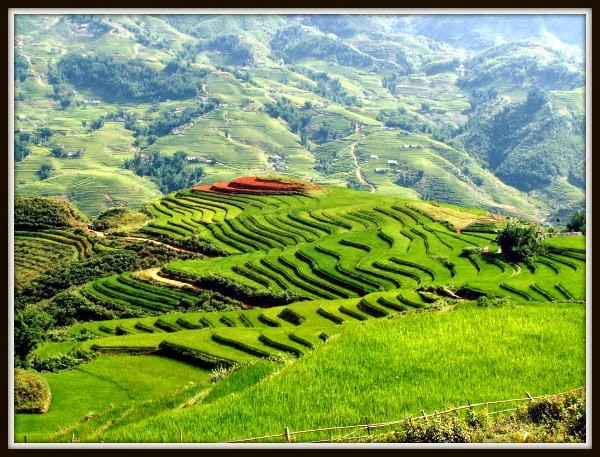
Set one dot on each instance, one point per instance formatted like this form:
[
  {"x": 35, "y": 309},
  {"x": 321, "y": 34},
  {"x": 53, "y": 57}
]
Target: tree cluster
[
  {"x": 120, "y": 77},
  {"x": 168, "y": 173}
]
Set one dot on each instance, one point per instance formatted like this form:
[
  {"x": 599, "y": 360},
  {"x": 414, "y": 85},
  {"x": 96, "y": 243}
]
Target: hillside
[
  {"x": 230, "y": 226},
  {"x": 233, "y": 292},
  {"x": 313, "y": 96}
]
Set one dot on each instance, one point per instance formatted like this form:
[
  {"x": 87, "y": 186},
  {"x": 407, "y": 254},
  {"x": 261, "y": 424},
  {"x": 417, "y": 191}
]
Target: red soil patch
[{"x": 257, "y": 186}]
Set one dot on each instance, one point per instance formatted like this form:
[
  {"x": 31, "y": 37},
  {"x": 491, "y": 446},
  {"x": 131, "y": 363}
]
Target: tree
[
  {"x": 577, "y": 223},
  {"x": 58, "y": 152},
  {"x": 44, "y": 171},
  {"x": 31, "y": 328},
  {"x": 521, "y": 241}
]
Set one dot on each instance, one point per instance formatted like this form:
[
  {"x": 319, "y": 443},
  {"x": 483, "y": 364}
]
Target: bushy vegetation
[
  {"x": 39, "y": 213},
  {"x": 169, "y": 173},
  {"x": 32, "y": 393},
  {"x": 551, "y": 419},
  {"x": 295, "y": 43},
  {"x": 577, "y": 222},
  {"x": 526, "y": 144},
  {"x": 119, "y": 77},
  {"x": 521, "y": 241}
]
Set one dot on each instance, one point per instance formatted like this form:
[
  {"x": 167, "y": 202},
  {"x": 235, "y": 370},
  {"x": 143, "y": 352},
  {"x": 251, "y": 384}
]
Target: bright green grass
[
  {"x": 101, "y": 385},
  {"x": 567, "y": 242},
  {"x": 417, "y": 362}
]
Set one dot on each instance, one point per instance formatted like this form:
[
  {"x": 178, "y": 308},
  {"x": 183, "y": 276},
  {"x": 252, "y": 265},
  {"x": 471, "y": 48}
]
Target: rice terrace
[{"x": 282, "y": 229}]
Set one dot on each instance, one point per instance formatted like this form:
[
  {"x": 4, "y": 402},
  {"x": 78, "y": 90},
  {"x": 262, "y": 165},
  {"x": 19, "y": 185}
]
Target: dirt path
[
  {"x": 153, "y": 273},
  {"x": 136, "y": 238},
  {"x": 359, "y": 173}
]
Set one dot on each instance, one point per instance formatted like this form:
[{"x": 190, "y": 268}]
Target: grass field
[{"x": 416, "y": 362}]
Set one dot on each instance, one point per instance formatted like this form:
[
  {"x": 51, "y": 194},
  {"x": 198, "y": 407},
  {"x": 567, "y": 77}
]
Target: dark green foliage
[
  {"x": 527, "y": 144},
  {"x": 31, "y": 327},
  {"x": 44, "y": 171},
  {"x": 326, "y": 86},
  {"x": 165, "y": 122},
  {"x": 293, "y": 43},
  {"x": 521, "y": 241},
  {"x": 169, "y": 173},
  {"x": 39, "y": 213},
  {"x": 69, "y": 308},
  {"x": 401, "y": 118},
  {"x": 119, "y": 77},
  {"x": 57, "y": 363},
  {"x": 22, "y": 146},
  {"x": 285, "y": 109},
  {"x": 517, "y": 63},
  {"x": 32, "y": 392},
  {"x": 21, "y": 66},
  {"x": 577, "y": 223}
]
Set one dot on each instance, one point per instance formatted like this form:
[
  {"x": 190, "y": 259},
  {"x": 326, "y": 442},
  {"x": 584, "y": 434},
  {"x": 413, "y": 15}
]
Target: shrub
[
  {"x": 447, "y": 429},
  {"x": 470, "y": 250},
  {"x": 57, "y": 363},
  {"x": 494, "y": 302},
  {"x": 32, "y": 393},
  {"x": 546, "y": 410},
  {"x": 575, "y": 420}
]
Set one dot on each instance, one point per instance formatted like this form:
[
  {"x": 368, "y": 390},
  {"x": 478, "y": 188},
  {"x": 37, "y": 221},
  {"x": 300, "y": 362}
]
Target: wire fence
[{"x": 368, "y": 427}]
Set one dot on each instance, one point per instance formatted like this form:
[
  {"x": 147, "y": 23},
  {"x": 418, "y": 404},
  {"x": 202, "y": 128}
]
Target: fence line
[{"x": 368, "y": 427}]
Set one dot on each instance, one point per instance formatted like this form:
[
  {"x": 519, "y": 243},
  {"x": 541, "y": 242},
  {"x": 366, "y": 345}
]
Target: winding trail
[
  {"x": 153, "y": 274},
  {"x": 359, "y": 173},
  {"x": 139, "y": 238}
]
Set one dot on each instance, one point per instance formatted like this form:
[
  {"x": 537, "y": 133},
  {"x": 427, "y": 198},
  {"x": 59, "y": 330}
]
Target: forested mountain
[{"x": 488, "y": 110}]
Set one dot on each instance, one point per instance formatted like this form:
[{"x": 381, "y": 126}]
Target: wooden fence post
[
  {"x": 529, "y": 395},
  {"x": 24, "y": 438},
  {"x": 287, "y": 435},
  {"x": 425, "y": 415},
  {"x": 73, "y": 437},
  {"x": 368, "y": 428},
  {"x": 180, "y": 435}
]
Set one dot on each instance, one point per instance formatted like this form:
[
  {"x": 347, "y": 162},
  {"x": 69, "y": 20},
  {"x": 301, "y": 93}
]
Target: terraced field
[
  {"x": 301, "y": 268},
  {"x": 37, "y": 252},
  {"x": 350, "y": 245},
  {"x": 347, "y": 256}
]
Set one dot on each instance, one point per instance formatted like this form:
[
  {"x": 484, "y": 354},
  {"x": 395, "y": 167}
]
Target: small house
[
  {"x": 22, "y": 116},
  {"x": 373, "y": 156},
  {"x": 381, "y": 170},
  {"x": 392, "y": 162}
]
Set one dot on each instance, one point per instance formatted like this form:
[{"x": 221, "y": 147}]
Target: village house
[{"x": 373, "y": 156}]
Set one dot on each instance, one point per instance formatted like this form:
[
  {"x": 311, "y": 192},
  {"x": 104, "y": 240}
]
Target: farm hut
[
  {"x": 373, "y": 156},
  {"x": 381, "y": 170},
  {"x": 392, "y": 162}
]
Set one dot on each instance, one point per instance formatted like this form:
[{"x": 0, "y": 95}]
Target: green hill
[
  {"x": 103, "y": 87},
  {"x": 300, "y": 286},
  {"x": 229, "y": 226}
]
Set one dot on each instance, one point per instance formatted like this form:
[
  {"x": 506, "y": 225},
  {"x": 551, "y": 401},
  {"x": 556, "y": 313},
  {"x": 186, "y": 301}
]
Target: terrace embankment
[{"x": 258, "y": 186}]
